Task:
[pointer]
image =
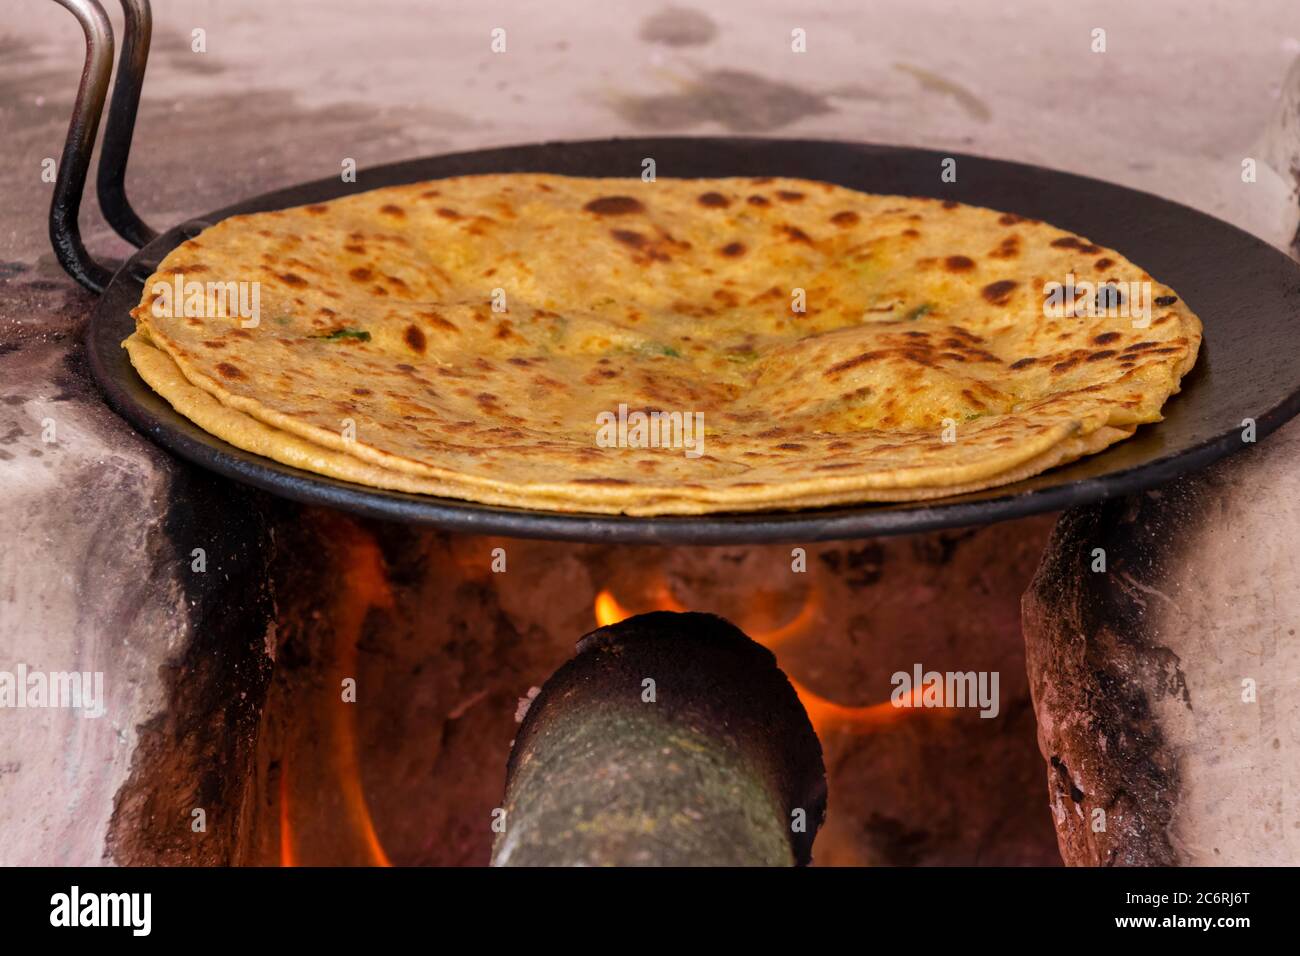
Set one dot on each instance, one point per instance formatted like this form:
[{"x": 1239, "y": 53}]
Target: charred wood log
[{"x": 669, "y": 739}]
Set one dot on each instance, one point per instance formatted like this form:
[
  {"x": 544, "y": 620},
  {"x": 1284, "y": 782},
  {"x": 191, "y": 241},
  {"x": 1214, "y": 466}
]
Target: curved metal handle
[
  {"x": 111, "y": 180},
  {"x": 65, "y": 232}
]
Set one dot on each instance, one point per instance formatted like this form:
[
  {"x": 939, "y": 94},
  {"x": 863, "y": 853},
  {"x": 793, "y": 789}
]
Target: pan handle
[
  {"x": 111, "y": 180},
  {"x": 88, "y": 108}
]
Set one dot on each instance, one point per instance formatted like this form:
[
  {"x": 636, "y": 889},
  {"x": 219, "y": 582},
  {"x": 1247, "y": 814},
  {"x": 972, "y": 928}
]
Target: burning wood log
[{"x": 669, "y": 739}]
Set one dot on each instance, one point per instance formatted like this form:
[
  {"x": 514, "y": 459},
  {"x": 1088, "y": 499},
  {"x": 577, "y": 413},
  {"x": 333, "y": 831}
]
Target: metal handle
[
  {"x": 65, "y": 232},
  {"x": 111, "y": 181}
]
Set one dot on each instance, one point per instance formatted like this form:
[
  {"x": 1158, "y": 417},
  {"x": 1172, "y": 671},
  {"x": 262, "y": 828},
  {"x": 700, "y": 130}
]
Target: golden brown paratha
[{"x": 474, "y": 337}]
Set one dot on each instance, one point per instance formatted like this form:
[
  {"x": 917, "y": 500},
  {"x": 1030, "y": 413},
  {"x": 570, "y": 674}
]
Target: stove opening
[{"x": 403, "y": 658}]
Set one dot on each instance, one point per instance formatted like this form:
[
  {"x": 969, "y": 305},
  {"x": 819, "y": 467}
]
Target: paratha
[{"x": 474, "y": 338}]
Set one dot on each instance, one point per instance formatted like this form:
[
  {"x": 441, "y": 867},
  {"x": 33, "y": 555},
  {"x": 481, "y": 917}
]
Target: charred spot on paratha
[
  {"x": 733, "y": 249},
  {"x": 1008, "y": 248},
  {"x": 230, "y": 371},
  {"x": 437, "y": 320},
  {"x": 713, "y": 200},
  {"x": 999, "y": 293},
  {"x": 1074, "y": 242},
  {"x": 614, "y": 206},
  {"x": 1110, "y": 297},
  {"x": 414, "y": 337},
  {"x": 846, "y": 219},
  {"x": 959, "y": 263},
  {"x": 840, "y": 368},
  {"x": 629, "y": 238}
]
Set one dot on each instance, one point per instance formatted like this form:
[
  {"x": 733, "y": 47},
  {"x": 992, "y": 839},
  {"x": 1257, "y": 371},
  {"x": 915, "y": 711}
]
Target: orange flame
[
  {"x": 365, "y": 586},
  {"x": 287, "y": 855},
  {"x": 797, "y": 625},
  {"x": 608, "y": 611},
  {"x": 825, "y": 714}
]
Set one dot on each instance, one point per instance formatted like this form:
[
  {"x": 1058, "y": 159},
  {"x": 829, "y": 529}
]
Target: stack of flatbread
[{"x": 669, "y": 347}]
